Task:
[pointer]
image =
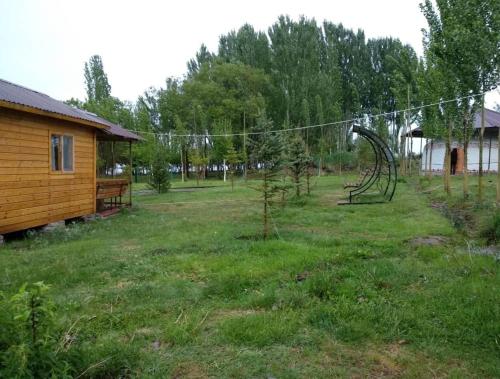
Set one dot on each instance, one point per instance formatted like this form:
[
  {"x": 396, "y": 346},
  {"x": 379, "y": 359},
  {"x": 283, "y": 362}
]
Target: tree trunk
[
  {"x": 426, "y": 165},
  {"x": 402, "y": 149},
  {"x": 429, "y": 173},
  {"x": 407, "y": 156},
  {"x": 410, "y": 152},
  {"x": 244, "y": 147},
  {"x": 339, "y": 148},
  {"x": 447, "y": 160},
  {"x": 489, "y": 155},
  {"x": 296, "y": 179},
  {"x": 283, "y": 182},
  {"x": 186, "y": 164},
  {"x": 265, "y": 215},
  {"x": 466, "y": 171},
  {"x": 421, "y": 156},
  {"x": 182, "y": 166},
  {"x": 308, "y": 181},
  {"x": 224, "y": 166},
  {"x": 480, "y": 174}
]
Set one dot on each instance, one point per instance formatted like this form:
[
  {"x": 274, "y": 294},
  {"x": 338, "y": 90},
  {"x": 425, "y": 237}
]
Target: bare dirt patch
[
  {"x": 429, "y": 241},
  {"x": 189, "y": 370}
]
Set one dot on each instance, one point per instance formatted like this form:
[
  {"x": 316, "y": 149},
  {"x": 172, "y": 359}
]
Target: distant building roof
[
  {"x": 14, "y": 94},
  {"x": 491, "y": 120}
]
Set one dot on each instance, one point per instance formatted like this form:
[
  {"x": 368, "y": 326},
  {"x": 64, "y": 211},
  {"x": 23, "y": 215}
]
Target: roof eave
[{"x": 41, "y": 112}]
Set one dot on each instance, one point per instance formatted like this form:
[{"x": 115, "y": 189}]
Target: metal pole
[{"x": 113, "y": 159}]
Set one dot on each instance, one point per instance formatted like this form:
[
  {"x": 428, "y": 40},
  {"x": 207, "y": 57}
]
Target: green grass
[
  {"x": 180, "y": 286},
  {"x": 471, "y": 218}
]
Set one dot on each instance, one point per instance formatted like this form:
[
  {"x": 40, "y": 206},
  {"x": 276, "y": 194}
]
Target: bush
[
  {"x": 348, "y": 159},
  {"x": 160, "y": 175},
  {"x": 491, "y": 231},
  {"x": 29, "y": 347}
]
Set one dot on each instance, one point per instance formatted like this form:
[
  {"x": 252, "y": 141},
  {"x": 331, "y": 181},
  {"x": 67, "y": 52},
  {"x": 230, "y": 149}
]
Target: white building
[{"x": 490, "y": 148}]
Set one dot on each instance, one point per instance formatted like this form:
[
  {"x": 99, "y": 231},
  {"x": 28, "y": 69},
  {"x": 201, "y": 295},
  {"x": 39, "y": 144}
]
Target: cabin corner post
[
  {"x": 130, "y": 173},
  {"x": 95, "y": 171}
]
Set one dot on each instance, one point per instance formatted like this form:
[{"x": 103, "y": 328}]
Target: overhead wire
[{"x": 333, "y": 123}]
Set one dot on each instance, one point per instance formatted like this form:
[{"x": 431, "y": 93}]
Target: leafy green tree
[
  {"x": 462, "y": 42},
  {"x": 267, "y": 154},
  {"x": 199, "y": 162},
  {"x": 299, "y": 71},
  {"x": 159, "y": 174},
  {"x": 297, "y": 162},
  {"x": 246, "y": 46},
  {"x": 221, "y": 144},
  {"x": 96, "y": 80},
  {"x": 233, "y": 159},
  {"x": 181, "y": 143},
  {"x": 203, "y": 56},
  {"x": 306, "y": 119}
]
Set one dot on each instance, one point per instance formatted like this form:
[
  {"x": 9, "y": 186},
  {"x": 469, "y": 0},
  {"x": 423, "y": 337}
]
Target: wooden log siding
[{"x": 30, "y": 193}]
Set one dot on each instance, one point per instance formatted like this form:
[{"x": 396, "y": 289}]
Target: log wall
[{"x": 30, "y": 193}]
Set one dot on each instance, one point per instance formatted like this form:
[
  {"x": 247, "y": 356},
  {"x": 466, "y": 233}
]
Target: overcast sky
[{"x": 44, "y": 43}]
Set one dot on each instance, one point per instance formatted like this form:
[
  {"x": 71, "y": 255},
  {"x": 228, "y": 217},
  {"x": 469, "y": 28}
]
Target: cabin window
[
  {"x": 61, "y": 147},
  {"x": 67, "y": 153},
  {"x": 55, "y": 143}
]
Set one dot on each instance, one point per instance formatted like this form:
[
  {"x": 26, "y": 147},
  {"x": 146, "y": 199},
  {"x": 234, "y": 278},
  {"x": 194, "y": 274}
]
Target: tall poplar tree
[
  {"x": 96, "y": 81},
  {"x": 464, "y": 42}
]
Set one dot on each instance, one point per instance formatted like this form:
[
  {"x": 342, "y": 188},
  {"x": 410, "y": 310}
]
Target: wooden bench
[{"x": 112, "y": 189}]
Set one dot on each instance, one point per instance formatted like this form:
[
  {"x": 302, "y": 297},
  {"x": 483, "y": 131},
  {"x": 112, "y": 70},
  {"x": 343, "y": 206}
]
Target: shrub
[
  {"x": 347, "y": 159},
  {"x": 267, "y": 152},
  {"x": 160, "y": 175},
  {"x": 298, "y": 161},
  {"x": 28, "y": 343}
]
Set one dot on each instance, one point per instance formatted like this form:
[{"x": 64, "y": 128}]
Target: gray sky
[{"x": 44, "y": 44}]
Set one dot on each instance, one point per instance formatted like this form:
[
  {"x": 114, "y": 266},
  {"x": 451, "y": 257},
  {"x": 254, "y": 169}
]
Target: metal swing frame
[{"x": 384, "y": 174}]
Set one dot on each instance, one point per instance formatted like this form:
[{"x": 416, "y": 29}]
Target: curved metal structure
[{"x": 383, "y": 176}]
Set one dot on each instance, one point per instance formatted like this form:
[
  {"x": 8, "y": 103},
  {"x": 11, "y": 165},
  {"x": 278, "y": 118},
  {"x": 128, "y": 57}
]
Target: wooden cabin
[{"x": 48, "y": 155}]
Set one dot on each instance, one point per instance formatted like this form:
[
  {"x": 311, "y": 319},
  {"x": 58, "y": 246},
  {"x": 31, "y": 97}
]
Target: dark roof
[
  {"x": 491, "y": 120},
  {"x": 16, "y": 94},
  {"x": 117, "y": 133}
]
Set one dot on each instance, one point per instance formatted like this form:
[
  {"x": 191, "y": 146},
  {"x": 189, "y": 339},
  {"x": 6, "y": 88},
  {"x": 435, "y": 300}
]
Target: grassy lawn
[
  {"x": 180, "y": 286},
  {"x": 467, "y": 215}
]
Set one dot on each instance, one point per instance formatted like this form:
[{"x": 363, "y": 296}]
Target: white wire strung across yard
[{"x": 334, "y": 123}]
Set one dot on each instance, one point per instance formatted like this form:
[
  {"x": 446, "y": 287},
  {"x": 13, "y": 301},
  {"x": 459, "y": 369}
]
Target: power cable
[{"x": 316, "y": 125}]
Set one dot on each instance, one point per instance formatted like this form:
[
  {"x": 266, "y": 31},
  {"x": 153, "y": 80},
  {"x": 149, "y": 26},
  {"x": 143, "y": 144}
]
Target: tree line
[{"x": 302, "y": 73}]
